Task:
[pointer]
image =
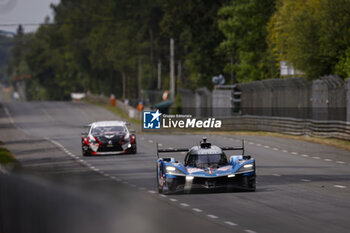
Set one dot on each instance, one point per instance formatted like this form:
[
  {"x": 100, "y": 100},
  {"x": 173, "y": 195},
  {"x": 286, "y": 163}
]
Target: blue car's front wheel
[
  {"x": 249, "y": 183},
  {"x": 163, "y": 187}
]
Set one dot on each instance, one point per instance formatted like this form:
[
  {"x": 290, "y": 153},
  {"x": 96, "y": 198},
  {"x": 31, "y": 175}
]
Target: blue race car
[{"x": 205, "y": 167}]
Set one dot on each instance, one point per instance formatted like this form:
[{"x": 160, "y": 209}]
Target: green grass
[
  {"x": 342, "y": 144},
  {"x": 120, "y": 113},
  {"x": 7, "y": 159},
  {"x": 6, "y": 96}
]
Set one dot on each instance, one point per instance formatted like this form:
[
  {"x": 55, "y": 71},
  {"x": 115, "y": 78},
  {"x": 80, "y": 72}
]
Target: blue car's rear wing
[
  {"x": 204, "y": 144},
  {"x": 235, "y": 148},
  {"x": 170, "y": 150}
]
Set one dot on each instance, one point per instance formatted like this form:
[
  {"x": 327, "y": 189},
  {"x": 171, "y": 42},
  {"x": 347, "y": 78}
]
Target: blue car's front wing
[{"x": 181, "y": 183}]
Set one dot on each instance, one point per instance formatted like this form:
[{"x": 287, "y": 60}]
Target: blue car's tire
[
  {"x": 161, "y": 188},
  {"x": 250, "y": 183}
]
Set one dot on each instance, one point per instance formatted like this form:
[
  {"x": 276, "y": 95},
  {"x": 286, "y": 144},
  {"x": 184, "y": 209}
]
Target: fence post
[
  {"x": 319, "y": 100},
  {"x": 222, "y": 103},
  {"x": 348, "y": 99}
]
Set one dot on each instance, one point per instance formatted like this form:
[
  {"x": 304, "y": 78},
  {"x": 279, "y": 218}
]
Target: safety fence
[
  {"x": 321, "y": 99},
  {"x": 327, "y": 98},
  {"x": 292, "y": 106},
  {"x": 285, "y": 125}
]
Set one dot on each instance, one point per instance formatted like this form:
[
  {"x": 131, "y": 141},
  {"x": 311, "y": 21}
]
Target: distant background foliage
[{"x": 99, "y": 46}]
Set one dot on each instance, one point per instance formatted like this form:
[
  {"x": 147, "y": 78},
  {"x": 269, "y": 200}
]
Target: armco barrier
[{"x": 293, "y": 126}]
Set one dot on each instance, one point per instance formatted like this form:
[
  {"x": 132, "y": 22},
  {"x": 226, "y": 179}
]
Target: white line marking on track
[
  {"x": 258, "y": 144},
  {"x": 266, "y": 146},
  {"x": 249, "y": 231},
  {"x": 212, "y": 216},
  {"x": 340, "y": 162},
  {"x": 162, "y": 195},
  {"x": 328, "y": 160},
  {"x": 339, "y": 186},
  {"x": 197, "y": 210},
  {"x": 151, "y": 191},
  {"x": 276, "y": 174},
  {"x": 250, "y": 143},
  {"x": 3, "y": 170},
  {"x": 185, "y": 204},
  {"x": 160, "y": 144},
  {"x": 14, "y": 124},
  {"x": 142, "y": 188},
  {"x": 9, "y": 115},
  {"x": 304, "y": 155},
  {"x": 150, "y": 141},
  {"x": 294, "y": 153},
  {"x": 316, "y": 157},
  {"x": 284, "y": 151},
  {"x": 275, "y": 148},
  {"x": 48, "y": 115},
  {"x": 65, "y": 150},
  {"x": 230, "y": 223},
  {"x": 173, "y": 199},
  {"x": 305, "y": 180}
]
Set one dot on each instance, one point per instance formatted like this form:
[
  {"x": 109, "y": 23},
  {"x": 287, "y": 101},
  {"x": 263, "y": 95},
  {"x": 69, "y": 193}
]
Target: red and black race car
[{"x": 107, "y": 138}]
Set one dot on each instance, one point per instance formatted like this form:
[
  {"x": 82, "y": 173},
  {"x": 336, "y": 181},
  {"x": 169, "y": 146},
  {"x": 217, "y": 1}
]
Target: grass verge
[
  {"x": 117, "y": 111},
  {"x": 342, "y": 144},
  {"x": 7, "y": 160}
]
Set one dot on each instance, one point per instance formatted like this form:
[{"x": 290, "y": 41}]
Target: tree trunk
[
  {"x": 151, "y": 52},
  {"x": 139, "y": 80},
  {"x": 179, "y": 72},
  {"x": 159, "y": 80},
  {"x": 172, "y": 70},
  {"x": 124, "y": 84}
]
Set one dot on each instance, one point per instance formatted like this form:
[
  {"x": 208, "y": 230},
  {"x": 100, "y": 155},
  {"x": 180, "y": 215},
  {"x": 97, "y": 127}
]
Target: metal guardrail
[{"x": 293, "y": 126}]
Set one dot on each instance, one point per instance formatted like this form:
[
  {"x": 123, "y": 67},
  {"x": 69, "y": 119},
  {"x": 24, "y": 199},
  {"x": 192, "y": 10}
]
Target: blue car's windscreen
[{"x": 207, "y": 160}]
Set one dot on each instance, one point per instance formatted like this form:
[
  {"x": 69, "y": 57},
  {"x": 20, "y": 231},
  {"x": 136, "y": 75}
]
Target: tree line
[{"x": 117, "y": 46}]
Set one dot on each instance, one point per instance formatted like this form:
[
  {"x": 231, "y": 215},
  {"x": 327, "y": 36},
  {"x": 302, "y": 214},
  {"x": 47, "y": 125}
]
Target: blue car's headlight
[
  {"x": 173, "y": 171},
  {"x": 249, "y": 167}
]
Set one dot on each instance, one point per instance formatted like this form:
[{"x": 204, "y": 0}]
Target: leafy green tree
[
  {"x": 6, "y": 44},
  {"x": 312, "y": 35},
  {"x": 194, "y": 26},
  {"x": 244, "y": 24},
  {"x": 17, "y": 67}
]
